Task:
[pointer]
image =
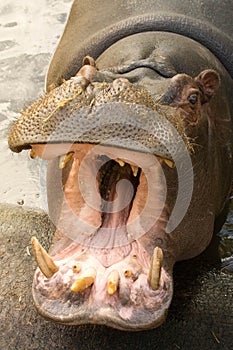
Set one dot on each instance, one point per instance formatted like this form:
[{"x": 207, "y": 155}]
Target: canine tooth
[
  {"x": 84, "y": 281},
  {"x": 113, "y": 282},
  {"x": 63, "y": 160},
  {"x": 134, "y": 169},
  {"x": 32, "y": 154},
  {"x": 44, "y": 261},
  {"x": 120, "y": 162},
  {"x": 169, "y": 163},
  {"x": 155, "y": 268}
]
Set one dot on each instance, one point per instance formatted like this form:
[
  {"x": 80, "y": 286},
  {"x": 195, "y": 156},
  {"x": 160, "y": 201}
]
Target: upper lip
[{"x": 128, "y": 118}]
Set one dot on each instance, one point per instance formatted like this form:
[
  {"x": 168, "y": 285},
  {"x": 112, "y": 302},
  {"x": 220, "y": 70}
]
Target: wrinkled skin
[{"x": 194, "y": 99}]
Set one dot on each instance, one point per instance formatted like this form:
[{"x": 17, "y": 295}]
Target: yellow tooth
[
  {"x": 77, "y": 268},
  {"x": 134, "y": 170},
  {"x": 32, "y": 154},
  {"x": 127, "y": 273},
  {"x": 113, "y": 282},
  {"x": 84, "y": 281},
  {"x": 155, "y": 268},
  {"x": 120, "y": 162},
  {"x": 65, "y": 159},
  {"x": 169, "y": 163},
  {"x": 44, "y": 261}
]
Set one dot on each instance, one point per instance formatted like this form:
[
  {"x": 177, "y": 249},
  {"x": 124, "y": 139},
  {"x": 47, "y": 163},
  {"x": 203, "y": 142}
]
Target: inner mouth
[
  {"x": 108, "y": 177},
  {"x": 100, "y": 269}
]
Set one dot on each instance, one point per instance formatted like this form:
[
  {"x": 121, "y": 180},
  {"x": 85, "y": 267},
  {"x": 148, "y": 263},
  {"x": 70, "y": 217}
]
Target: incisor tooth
[
  {"x": 169, "y": 163},
  {"x": 120, "y": 162},
  {"x": 44, "y": 261},
  {"x": 32, "y": 154},
  {"x": 134, "y": 170},
  {"x": 63, "y": 160},
  {"x": 84, "y": 281},
  {"x": 155, "y": 268},
  {"x": 113, "y": 282}
]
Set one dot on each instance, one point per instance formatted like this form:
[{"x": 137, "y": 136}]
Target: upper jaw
[
  {"x": 119, "y": 114},
  {"x": 78, "y": 176}
]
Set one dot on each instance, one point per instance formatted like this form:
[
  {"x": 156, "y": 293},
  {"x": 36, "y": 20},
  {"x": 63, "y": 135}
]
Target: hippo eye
[{"x": 192, "y": 98}]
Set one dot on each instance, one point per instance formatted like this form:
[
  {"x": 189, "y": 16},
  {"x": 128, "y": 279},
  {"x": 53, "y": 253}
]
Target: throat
[
  {"x": 107, "y": 201},
  {"x": 117, "y": 187}
]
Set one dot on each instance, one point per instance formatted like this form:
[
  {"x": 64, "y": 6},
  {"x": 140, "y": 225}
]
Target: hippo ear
[{"x": 209, "y": 81}]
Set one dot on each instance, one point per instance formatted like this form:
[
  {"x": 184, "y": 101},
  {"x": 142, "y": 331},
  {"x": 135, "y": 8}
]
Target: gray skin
[
  {"x": 208, "y": 23},
  {"x": 153, "y": 61}
]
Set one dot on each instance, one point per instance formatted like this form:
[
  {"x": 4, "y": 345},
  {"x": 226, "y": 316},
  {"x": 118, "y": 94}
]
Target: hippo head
[{"x": 125, "y": 160}]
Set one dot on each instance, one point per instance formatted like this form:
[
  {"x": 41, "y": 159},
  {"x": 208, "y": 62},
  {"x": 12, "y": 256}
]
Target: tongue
[
  {"x": 117, "y": 198},
  {"x": 116, "y": 210}
]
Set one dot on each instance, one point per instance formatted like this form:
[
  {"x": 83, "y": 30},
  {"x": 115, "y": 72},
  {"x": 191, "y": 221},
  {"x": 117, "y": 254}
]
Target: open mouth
[
  {"x": 105, "y": 266},
  {"x": 110, "y": 147}
]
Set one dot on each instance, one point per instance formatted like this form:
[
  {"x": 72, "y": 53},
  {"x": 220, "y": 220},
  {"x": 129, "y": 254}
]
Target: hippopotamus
[{"x": 137, "y": 126}]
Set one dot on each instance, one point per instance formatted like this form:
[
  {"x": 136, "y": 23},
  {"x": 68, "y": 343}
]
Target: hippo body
[{"x": 151, "y": 106}]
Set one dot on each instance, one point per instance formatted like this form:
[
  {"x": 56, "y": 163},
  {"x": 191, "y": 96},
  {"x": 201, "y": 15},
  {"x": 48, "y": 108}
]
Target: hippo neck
[{"x": 88, "y": 35}]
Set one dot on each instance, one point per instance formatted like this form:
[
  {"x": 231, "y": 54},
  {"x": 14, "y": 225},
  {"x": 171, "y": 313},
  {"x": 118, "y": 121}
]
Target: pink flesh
[
  {"x": 137, "y": 262},
  {"x": 81, "y": 208},
  {"x": 112, "y": 244}
]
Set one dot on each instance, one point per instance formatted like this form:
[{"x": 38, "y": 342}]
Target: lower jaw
[
  {"x": 134, "y": 306},
  {"x": 139, "y": 318}
]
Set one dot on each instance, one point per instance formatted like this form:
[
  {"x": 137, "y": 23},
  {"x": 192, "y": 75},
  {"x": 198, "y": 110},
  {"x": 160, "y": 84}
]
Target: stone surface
[{"x": 200, "y": 317}]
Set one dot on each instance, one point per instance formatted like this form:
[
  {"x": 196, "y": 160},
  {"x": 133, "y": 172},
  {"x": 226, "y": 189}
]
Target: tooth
[
  {"x": 63, "y": 160},
  {"x": 84, "y": 281},
  {"x": 127, "y": 273},
  {"x": 113, "y": 282},
  {"x": 155, "y": 268},
  {"x": 120, "y": 162},
  {"x": 134, "y": 169},
  {"x": 77, "y": 268},
  {"x": 169, "y": 163},
  {"x": 32, "y": 154},
  {"x": 28, "y": 251},
  {"x": 44, "y": 261}
]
